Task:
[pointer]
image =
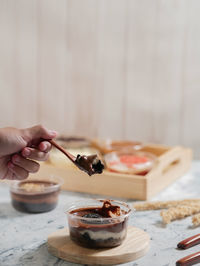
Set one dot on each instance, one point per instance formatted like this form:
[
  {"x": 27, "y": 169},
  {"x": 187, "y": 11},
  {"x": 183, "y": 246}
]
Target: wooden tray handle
[{"x": 167, "y": 161}]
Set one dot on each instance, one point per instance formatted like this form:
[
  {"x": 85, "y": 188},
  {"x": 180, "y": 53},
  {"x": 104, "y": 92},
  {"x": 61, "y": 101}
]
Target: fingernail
[
  {"x": 53, "y": 133},
  {"x": 44, "y": 147},
  {"x": 10, "y": 165},
  {"x": 27, "y": 152}
]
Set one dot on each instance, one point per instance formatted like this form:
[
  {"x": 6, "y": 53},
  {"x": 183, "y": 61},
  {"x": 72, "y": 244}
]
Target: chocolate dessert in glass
[
  {"x": 35, "y": 196},
  {"x": 98, "y": 223}
]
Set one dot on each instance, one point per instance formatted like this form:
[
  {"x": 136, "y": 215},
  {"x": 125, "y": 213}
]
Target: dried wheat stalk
[
  {"x": 179, "y": 212},
  {"x": 163, "y": 204},
  {"x": 196, "y": 219}
]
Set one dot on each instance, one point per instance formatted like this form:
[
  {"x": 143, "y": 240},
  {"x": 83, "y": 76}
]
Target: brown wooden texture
[
  {"x": 171, "y": 164},
  {"x": 135, "y": 246}
]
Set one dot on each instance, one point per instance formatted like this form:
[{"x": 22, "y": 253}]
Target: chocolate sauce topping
[
  {"x": 109, "y": 210},
  {"x": 90, "y": 164},
  {"x": 106, "y": 211}
]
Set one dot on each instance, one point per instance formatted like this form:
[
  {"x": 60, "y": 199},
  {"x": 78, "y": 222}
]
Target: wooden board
[
  {"x": 172, "y": 162},
  {"x": 135, "y": 246}
]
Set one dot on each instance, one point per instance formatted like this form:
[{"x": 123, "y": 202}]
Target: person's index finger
[{"x": 38, "y": 132}]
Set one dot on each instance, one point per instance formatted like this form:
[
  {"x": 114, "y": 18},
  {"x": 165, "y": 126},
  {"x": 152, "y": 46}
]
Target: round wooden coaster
[{"x": 135, "y": 246}]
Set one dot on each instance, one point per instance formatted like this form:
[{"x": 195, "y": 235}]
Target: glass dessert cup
[
  {"x": 35, "y": 195},
  {"x": 91, "y": 228}
]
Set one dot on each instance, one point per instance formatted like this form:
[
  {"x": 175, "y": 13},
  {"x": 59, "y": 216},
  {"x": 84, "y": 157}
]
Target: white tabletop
[{"x": 23, "y": 236}]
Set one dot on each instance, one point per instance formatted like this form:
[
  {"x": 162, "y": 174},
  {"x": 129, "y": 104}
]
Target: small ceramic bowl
[{"x": 89, "y": 229}]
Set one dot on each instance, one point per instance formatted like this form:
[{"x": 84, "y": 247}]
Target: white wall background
[{"x": 103, "y": 68}]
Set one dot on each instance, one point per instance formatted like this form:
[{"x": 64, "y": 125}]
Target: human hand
[{"x": 18, "y": 149}]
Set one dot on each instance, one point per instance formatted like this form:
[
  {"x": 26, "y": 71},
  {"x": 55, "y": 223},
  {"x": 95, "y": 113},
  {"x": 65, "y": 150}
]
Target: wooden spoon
[
  {"x": 89, "y": 164},
  {"x": 60, "y": 148}
]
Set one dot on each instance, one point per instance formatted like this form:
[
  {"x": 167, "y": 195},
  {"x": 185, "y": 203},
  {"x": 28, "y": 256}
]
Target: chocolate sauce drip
[{"x": 90, "y": 164}]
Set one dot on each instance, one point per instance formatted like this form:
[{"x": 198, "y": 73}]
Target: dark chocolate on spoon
[{"x": 90, "y": 164}]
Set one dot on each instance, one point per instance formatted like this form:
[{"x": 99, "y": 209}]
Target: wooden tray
[
  {"x": 134, "y": 246},
  {"x": 172, "y": 162}
]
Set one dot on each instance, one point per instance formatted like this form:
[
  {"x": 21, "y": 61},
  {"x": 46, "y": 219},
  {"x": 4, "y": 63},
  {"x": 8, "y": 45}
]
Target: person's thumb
[{"x": 38, "y": 132}]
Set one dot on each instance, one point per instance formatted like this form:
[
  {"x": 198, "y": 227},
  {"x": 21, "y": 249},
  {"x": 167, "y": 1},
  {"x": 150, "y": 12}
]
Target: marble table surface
[{"x": 23, "y": 236}]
